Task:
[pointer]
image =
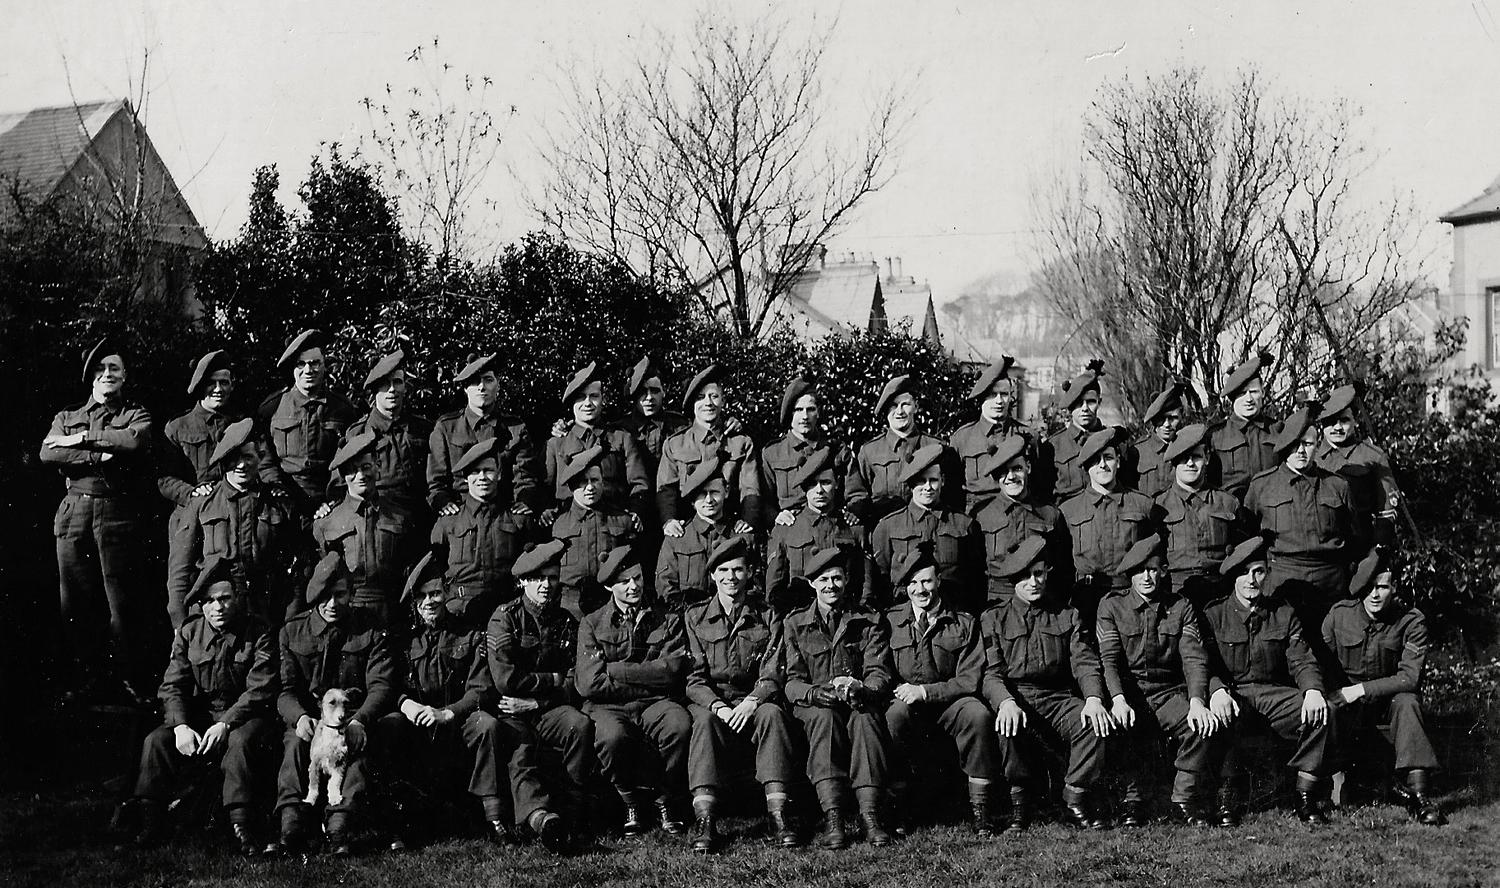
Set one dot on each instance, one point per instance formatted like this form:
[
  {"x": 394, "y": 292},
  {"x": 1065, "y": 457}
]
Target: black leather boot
[
  {"x": 1189, "y": 812},
  {"x": 1308, "y": 805},
  {"x": 1418, "y": 801},
  {"x": 1228, "y": 813},
  {"x": 1133, "y": 814},
  {"x": 781, "y": 830},
  {"x": 833, "y": 836},
  {"x": 705, "y": 836},
  {"x": 1078, "y": 809},
  {"x": 1020, "y": 811}
]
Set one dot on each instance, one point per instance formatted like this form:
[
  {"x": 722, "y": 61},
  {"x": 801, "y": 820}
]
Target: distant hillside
[{"x": 1001, "y": 314}]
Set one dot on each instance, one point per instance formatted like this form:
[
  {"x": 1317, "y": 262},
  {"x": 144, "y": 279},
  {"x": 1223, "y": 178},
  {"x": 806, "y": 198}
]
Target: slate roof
[
  {"x": 42, "y": 145},
  {"x": 1482, "y": 208}
]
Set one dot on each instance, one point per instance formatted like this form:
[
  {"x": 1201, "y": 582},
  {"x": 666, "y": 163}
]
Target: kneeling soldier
[
  {"x": 438, "y": 719},
  {"x": 531, "y": 644},
  {"x": 837, "y": 667},
  {"x": 334, "y": 645},
  {"x": 1270, "y": 679},
  {"x": 732, "y": 688},
  {"x": 938, "y": 657},
  {"x": 217, "y": 695},
  {"x": 1045, "y": 685},
  {"x": 1381, "y": 646},
  {"x": 1156, "y": 670},
  {"x": 631, "y": 661}
]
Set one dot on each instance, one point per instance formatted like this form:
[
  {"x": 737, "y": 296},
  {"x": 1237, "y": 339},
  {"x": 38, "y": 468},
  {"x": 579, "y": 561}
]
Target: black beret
[
  {"x": 579, "y": 464},
  {"x": 1338, "y": 400},
  {"x": 427, "y": 568},
  {"x": 1020, "y": 559},
  {"x": 1243, "y": 373},
  {"x": 207, "y": 366},
  {"x": 1253, "y": 549},
  {"x": 1008, "y": 449},
  {"x": 1294, "y": 428},
  {"x": 234, "y": 437},
  {"x": 384, "y": 367},
  {"x": 643, "y": 370},
  {"x": 101, "y": 350},
  {"x": 1074, "y": 389},
  {"x": 893, "y": 387},
  {"x": 1375, "y": 562},
  {"x": 297, "y": 345},
  {"x": 794, "y": 391},
  {"x": 920, "y": 461},
  {"x": 1095, "y": 443},
  {"x": 325, "y": 576},
  {"x": 475, "y": 367},
  {"x": 352, "y": 448},
  {"x": 993, "y": 372},
  {"x": 701, "y": 474},
  {"x": 579, "y": 382},
  {"x": 915, "y": 559},
  {"x": 821, "y": 561},
  {"x": 818, "y": 464},
  {"x": 705, "y": 376},
  {"x": 1139, "y": 554},
  {"x": 614, "y": 563},
  {"x": 542, "y": 559},
  {"x": 1190, "y": 437},
  {"x": 1170, "y": 398},
  {"x": 736, "y": 546},
  {"x": 475, "y": 454},
  {"x": 216, "y": 569}
]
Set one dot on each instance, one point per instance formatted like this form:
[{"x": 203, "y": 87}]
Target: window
[{"x": 1492, "y": 308}]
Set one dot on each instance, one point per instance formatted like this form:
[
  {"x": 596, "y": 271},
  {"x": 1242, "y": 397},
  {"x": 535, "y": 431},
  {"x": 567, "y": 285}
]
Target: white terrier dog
[{"x": 330, "y": 749}]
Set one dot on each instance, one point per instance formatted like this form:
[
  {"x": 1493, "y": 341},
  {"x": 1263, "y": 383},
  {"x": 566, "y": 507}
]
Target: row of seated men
[
  {"x": 305, "y": 476},
  {"x": 665, "y": 705}
]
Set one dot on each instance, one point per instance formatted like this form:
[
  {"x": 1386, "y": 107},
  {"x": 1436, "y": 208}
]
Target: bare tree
[
  {"x": 1207, "y": 223},
  {"x": 434, "y": 143},
  {"x": 715, "y": 164}
]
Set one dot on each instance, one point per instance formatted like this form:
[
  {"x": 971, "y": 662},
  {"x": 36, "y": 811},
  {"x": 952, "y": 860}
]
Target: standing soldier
[
  {"x": 238, "y": 520},
  {"x": 1013, "y": 513},
  {"x": 480, "y": 420},
  {"x": 1044, "y": 683},
  {"x": 1347, "y": 453},
  {"x": 591, "y": 529},
  {"x": 649, "y": 420},
  {"x": 1269, "y": 681},
  {"x": 706, "y": 438},
  {"x": 1103, "y": 523},
  {"x": 1198, "y": 520},
  {"x": 1145, "y": 467},
  {"x": 217, "y": 696},
  {"x": 976, "y": 442},
  {"x": 333, "y": 645},
  {"x": 377, "y": 538},
  {"x": 873, "y": 488},
  {"x": 304, "y": 424},
  {"x": 102, "y": 448},
  {"x": 820, "y": 524},
  {"x": 732, "y": 690},
  {"x": 837, "y": 673},
  {"x": 482, "y": 539},
  {"x": 953, "y": 536},
  {"x": 438, "y": 721},
  {"x": 1079, "y": 399},
  {"x": 631, "y": 661},
  {"x": 531, "y": 643},
  {"x": 937, "y": 655},
  {"x": 682, "y": 564},
  {"x": 782, "y": 461},
  {"x": 1312, "y": 514},
  {"x": 401, "y": 436},
  {"x": 1243, "y": 443},
  {"x": 1156, "y": 671},
  {"x": 185, "y": 468},
  {"x": 1381, "y": 646},
  {"x": 626, "y": 484}
]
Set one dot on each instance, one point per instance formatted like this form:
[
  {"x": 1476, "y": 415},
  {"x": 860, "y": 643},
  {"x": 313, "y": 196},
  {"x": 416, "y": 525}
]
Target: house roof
[
  {"x": 40, "y": 146},
  {"x": 1482, "y": 208},
  {"x": 837, "y": 293}
]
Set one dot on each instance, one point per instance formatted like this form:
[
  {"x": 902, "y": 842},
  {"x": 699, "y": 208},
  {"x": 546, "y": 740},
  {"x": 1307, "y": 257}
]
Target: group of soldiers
[{"x": 654, "y": 602}]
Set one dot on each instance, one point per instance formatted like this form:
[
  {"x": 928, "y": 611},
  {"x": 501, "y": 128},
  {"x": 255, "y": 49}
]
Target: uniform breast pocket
[
  {"x": 458, "y": 655},
  {"x": 215, "y": 535},
  {"x": 1218, "y": 526},
  {"x": 1351, "y": 654},
  {"x": 1331, "y": 511},
  {"x": 689, "y": 563},
  {"x": 1055, "y": 644},
  {"x": 1389, "y": 655},
  {"x": 885, "y": 476},
  {"x": 949, "y": 546},
  {"x": 464, "y": 546},
  {"x": 1236, "y": 655},
  {"x": 202, "y": 663},
  {"x": 287, "y": 435}
]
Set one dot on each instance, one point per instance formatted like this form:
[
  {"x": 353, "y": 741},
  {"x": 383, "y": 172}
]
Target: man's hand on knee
[{"x": 186, "y": 739}]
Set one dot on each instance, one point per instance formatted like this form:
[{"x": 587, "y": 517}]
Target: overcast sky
[{"x": 1002, "y": 91}]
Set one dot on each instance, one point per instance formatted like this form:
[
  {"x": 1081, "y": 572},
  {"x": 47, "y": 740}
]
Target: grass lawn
[{"x": 59, "y": 841}]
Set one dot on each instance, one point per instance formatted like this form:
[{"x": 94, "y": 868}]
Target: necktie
[
  {"x": 333, "y": 655},
  {"x": 1256, "y": 620},
  {"x": 223, "y": 675},
  {"x": 312, "y": 427},
  {"x": 922, "y": 625}
]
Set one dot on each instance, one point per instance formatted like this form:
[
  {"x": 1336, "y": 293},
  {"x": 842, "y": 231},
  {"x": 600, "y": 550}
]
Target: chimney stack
[{"x": 897, "y": 272}]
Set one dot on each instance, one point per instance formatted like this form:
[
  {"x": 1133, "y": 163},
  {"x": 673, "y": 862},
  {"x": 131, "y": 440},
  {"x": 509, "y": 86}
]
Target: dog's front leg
[
  {"x": 312, "y": 781},
  {"x": 336, "y": 785}
]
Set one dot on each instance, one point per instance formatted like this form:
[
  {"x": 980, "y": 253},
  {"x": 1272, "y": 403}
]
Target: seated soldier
[
  {"x": 217, "y": 695},
  {"x": 1198, "y": 520},
  {"x": 733, "y": 688},
  {"x": 709, "y": 435},
  {"x": 591, "y": 528},
  {"x": 438, "y": 720},
  {"x": 874, "y": 486},
  {"x": 333, "y": 645},
  {"x": 238, "y": 519},
  {"x": 836, "y": 658},
  {"x": 820, "y": 523},
  {"x": 482, "y": 539},
  {"x": 627, "y": 485},
  {"x": 631, "y": 661},
  {"x": 953, "y": 536},
  {"x": 1144, "y": 466},
  {"x": 937, "y": 655},
  {"x": 1381, "y": 646},
  {"x": 1156, "y": 671},
  {"x": 976, "y": 442},
  {"x": 531, "y": 644},
  {"x": 682, "y": 562},
  {"x": 1103, "y": 522},
  {"x": 377, "y": 538},
  {"x": 1044, "y": 683},
  {"x": 1012, "y": 512},
  {"x": 782, "y": 461},
  {"x": 1269, "y": 679}
]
